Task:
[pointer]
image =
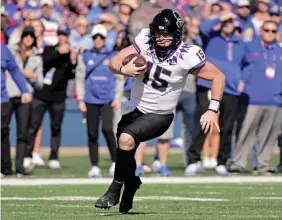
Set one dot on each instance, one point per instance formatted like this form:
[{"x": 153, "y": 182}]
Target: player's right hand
[
  {"x": 208, "y": 120},
  {"x": 26, "y": 98},
  {"x": 131, "y": 70},
  {"x": 82, "y": 106}
]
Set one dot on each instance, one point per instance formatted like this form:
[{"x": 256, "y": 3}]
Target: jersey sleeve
[
  {"x": 141, "y": 41},
  {"x": 195, "y": 58}
]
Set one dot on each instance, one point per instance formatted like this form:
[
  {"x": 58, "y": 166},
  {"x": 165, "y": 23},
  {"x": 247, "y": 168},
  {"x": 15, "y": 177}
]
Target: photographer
[{"x": 59, "y": 63}]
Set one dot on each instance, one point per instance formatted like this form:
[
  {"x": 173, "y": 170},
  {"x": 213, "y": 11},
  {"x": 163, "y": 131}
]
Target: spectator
[
  {"x": 110, "y": 20},
  {"x": 193, "y": 37},
  {"x": 80, "y": 39},
  {"x": 95, "y": 86},
  {"x": 88, "y": 3},
  {"x": 193, "y": 8},
  {"x": 39, "y": 30},
  {"x": 243, "y": 12},
  {"x": 253, "y": 28},
  {"x": 95, "y": 12},
  {"x": 15, "y": 36},
  {"x": 31, "y": 65},
  {"x": 211, "y": 146},
  {"x": 51, "y": 26},
  {"x": 4, "y": 25},
  {"x": 68, "y": 12},
  {"x": 276, "y": 16},
  {"x": 226, "y": 51},
  {"x": 211, "y": 9},
  {"x": 126, "y": 7},
  {"x": 263, "y": 86},
  {"x": 59, "y": 64},
  {"x": 8, "y": 63}
]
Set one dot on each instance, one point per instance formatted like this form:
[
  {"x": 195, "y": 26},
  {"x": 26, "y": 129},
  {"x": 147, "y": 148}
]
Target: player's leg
[
  {"x": 156, "y": 125},
  {"x": 123, "y": 159},
  {"x": 107, "y": 129},
  {"x": 92, "y": 120},
  {"x": 132, "y": 129}
]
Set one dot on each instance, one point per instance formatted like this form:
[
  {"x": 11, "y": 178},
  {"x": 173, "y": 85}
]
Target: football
[{"x": 140, "y": 61}]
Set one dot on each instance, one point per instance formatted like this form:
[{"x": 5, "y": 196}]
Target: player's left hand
[{"x": 208, "y": 120}]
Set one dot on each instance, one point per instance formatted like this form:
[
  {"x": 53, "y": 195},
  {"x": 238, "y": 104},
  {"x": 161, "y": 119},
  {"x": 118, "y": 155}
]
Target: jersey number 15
[{"x": 158, "y": 82}]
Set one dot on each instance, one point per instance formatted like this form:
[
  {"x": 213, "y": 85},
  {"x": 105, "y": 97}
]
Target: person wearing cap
[
  {"x": 95, "y": 87},
  {"x": 31, "y": 65},
  {"x": 59, "y": 63},
  {"x": 8, "y": 63},
  {"x": 243, "y": 12},
  {"x": 263, "y": 91},
  {"x": 226, "y": 51}
]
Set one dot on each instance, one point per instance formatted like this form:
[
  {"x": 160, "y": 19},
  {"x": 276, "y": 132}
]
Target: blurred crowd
[{"x": 52, "y": 50}]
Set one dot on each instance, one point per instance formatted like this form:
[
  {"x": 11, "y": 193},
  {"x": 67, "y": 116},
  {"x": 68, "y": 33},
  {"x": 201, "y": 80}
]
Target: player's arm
[
  {"x": 129, "y": 69},
  {"x": 211, "y": 73}
]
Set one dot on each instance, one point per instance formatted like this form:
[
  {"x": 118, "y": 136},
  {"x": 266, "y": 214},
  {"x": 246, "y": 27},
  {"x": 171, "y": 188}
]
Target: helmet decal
[{"x": 179, "y": 20}]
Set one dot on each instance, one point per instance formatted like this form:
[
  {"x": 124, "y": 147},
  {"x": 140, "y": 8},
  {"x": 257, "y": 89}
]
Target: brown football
[{"x": 140, "y": 61}]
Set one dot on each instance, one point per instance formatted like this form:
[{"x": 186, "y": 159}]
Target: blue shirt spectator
[
  {"x": 226, "y": 53},
  {"x": 8, "y": 63},
  {"x": 264, "y": 84}
]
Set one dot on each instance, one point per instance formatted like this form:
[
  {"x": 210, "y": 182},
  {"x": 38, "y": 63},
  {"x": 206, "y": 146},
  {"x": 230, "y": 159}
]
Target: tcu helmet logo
[{"x": 179, "y": 20}]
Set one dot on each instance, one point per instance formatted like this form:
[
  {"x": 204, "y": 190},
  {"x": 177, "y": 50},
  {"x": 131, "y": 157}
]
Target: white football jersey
[{"x": 158, "y": 90}]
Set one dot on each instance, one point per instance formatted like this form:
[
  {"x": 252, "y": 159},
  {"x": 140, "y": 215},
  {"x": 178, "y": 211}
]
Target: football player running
[{"x": 155, "y": 92}]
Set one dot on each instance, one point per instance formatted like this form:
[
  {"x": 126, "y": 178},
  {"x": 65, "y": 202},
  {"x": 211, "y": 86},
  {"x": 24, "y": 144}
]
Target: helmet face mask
[{"x": 167, "y": 21}]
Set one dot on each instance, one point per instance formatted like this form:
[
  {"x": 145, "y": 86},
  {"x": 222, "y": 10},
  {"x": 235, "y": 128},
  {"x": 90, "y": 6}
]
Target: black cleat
[
  {"x": 110, "y": 198},
  {"x": 130, "y": 189}
]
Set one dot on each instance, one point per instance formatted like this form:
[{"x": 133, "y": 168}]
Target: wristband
[{"x": 214, "y": 105}]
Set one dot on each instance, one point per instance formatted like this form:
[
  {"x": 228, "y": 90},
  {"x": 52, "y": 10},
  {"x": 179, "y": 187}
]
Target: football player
[{"x": 154, "y": 96}]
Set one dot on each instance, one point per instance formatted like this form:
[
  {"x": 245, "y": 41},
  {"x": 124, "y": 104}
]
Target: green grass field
[
  {"x": 204, "y": 200},
  {"x": 158, "y": 202}
]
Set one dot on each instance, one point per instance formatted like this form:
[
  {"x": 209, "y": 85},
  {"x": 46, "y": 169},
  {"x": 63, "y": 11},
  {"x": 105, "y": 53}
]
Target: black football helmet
[{"x": 166, "y": 21}]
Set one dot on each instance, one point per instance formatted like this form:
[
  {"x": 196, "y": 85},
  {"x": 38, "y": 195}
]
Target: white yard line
[
  {"x": 89, "y": 198},
  {"x": 145, "y": 180},
  {"x": 266, "y": 198}
]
